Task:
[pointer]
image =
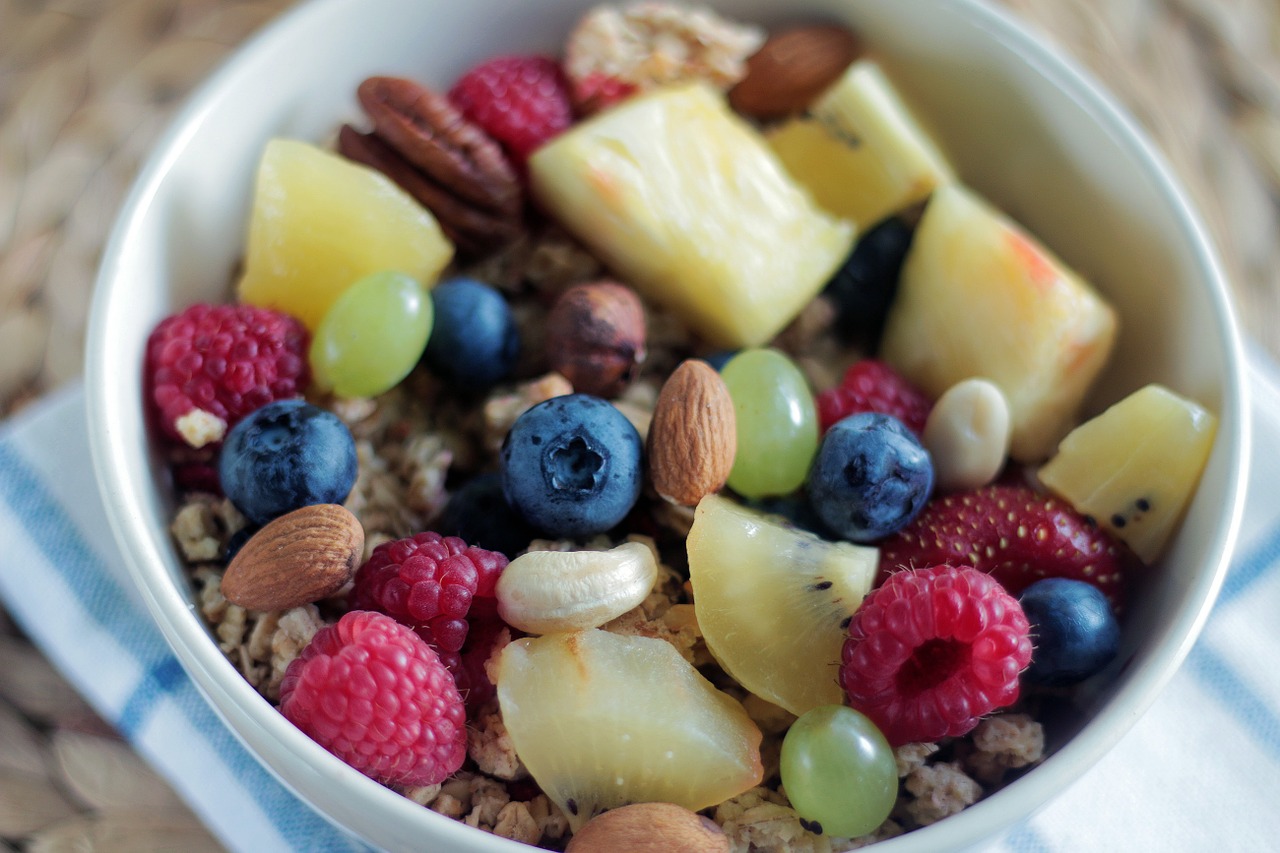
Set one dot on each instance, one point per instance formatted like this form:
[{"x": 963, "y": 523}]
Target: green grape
[
  {"x": 839, "y": 771},
  {"x": 777, "y": 423},
  {"x": 372, "y": 335}
]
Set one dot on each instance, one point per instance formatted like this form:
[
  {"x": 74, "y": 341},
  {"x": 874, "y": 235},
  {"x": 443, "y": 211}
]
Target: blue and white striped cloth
[{"x": 1197, "y": 772}]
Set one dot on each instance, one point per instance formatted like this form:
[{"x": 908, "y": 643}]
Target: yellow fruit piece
[
  {"x": 602, "y": 720},
  {"x": 773, "y": 602},
  {"x": 1135, "y": 467},
  {"x": 686, "y": 202},
  {"x": 979, "y": 297},
  {"x": 320, "y": 223},
  {"x": 860, "y": 151}
]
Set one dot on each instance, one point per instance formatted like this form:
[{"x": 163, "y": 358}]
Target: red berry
[
  {"x": 427, "y": 582},
  {"x": 598, "y": 91},
  {"x": 197, "y": 477},
  {"x": 487, "y": 633},
  {"x": 931, "y": 651},
  {"x": 1015, "y": 534},
  {"x": 371, "y": 692},
  {"x": 225, "y": 361},
  {"x": 521, "y": 101},
  {"x": 873, "y": 386}
]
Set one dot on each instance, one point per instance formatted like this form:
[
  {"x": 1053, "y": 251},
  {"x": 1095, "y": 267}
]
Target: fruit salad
[{"x": 662, "y": 440}]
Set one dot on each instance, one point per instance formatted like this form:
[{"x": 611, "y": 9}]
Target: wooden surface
[{"x": 86, "y": 85}]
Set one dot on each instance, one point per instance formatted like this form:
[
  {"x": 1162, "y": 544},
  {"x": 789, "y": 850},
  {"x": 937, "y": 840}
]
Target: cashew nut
[{"x": 546, "y": 591}]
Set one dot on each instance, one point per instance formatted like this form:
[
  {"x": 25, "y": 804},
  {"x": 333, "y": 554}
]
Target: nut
[
  {"x": 616, "y": 50},
  {"x": 596, "y": 337},
  {"x": 429, "y": 132},
  {"x": 296, "y": 559},
  {"x": 693, "y": 436},
  {"x": 471, "y": 229},
  {"x": 541, "y": 592},
  {"x": 649, "y": 828},
  {"x": 792, "y": 69},
  {"x": 967, "y": 434},
  {"x": 424, "y": 144}
]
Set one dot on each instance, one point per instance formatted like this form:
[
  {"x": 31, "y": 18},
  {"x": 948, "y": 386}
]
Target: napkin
[{"x": 1197, "y": 772}]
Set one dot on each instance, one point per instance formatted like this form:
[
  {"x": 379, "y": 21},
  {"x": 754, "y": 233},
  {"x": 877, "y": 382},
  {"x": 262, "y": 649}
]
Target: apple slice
[{"x": 979, "y": 297}]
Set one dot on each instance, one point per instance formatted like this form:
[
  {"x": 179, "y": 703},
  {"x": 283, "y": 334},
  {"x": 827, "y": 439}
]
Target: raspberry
[
  {"x": 211, "y": 365},
  {"x": 933, "y": 650},
  {"x": 873, "y": 386},
  {"x": 521, "y": 101},
  {"x": 488, "y": 632},
  {"x": 427, "y": 582},
  {"x": 196, "y": 476},
  {"x": 598, "y": 91},
  {"x": 1015, "y": 534},
  {"x": 371, "y": 692}
]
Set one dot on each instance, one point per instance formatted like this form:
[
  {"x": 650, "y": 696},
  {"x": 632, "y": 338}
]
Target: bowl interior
[{"x": 1021, "y": 126}]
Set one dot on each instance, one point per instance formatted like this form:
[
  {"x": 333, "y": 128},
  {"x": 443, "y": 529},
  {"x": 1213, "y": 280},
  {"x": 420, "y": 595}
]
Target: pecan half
[
  {"x": 423, "y": 143},
  {"x": 472, "y": 229}
]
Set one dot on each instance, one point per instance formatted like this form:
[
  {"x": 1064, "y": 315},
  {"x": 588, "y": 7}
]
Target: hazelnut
[
  {"x": 649, "y": 828},
  {"x": 596, "y": 337}
]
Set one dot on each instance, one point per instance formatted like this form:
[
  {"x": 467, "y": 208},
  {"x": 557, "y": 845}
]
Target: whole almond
[
  {"x": 693, "y": 435},
  {"x": 596, "y": 337},
  {"x": 791, "y": 69},
  {"x": 649, "y": 828},
  {"x": 296, "y": 559}
]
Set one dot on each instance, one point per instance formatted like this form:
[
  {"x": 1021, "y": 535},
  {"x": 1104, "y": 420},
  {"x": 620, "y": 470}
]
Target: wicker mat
[{"x": 86, "y": 85}]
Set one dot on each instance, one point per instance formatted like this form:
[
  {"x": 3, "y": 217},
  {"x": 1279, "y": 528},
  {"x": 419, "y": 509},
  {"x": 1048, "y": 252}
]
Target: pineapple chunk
[
  {"x": 321, "y": 223},
  {"x": 1135, "y": 467},
  {"x": 602, "y": 720},
  {"x": 860, "y": 151},
  {"x": 980, "y": 298},
  {"x": 685, "y": 201}
]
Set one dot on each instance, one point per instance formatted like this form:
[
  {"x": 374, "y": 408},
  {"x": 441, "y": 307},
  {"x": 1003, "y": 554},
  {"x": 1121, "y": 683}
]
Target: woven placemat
[{"x": 85, "y": 87}]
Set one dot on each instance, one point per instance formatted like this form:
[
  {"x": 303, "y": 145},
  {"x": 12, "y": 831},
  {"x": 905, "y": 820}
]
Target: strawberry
[
  {"x": 521, "y": 101},
  {"x": 1014, "y": 533},
  {"x": 873, "y": 386}
]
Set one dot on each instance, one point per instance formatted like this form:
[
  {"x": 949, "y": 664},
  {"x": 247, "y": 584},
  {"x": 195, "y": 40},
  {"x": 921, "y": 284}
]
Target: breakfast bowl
[{"x": 1019, "y": 123}]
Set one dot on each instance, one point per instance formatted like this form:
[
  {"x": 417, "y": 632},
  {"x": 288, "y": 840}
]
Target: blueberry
[
  {"x": 864, "y": 286},
  {"x": 287, "y": 455},
  {"x": 1072, "y": 628},
  {"x": 474, "y": 342},
  {"x": 871, "y": 477},
  {"x": 236, "y": 542},
  {"x": 572, "y": 466},
  {"x": 720, "y": 358},
  {"x": 479, "y": 514}
]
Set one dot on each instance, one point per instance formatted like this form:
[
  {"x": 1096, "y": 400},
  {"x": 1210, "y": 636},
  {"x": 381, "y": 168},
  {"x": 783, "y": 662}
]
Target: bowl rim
[{"x": 238, "y": 704}]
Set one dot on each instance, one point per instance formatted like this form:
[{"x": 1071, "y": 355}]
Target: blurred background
[{"x": 87, "y": 85}]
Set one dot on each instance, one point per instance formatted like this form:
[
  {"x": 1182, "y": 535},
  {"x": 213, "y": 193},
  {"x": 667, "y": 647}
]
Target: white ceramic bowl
[{"x": 1023, "y": 126}]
